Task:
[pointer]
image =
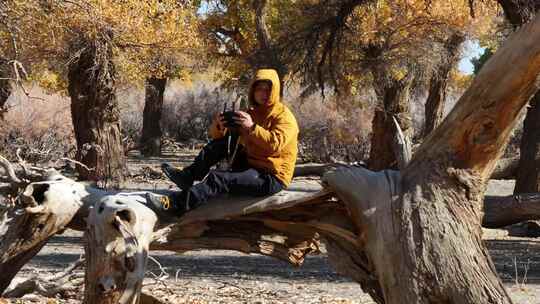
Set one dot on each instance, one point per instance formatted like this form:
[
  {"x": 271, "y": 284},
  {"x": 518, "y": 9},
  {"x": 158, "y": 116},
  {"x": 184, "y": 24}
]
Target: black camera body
[{"x": 228, "y": 117}]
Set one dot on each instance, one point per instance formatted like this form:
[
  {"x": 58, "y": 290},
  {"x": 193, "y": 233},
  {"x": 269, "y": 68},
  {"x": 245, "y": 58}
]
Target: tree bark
[
  {"x": 44, "y": 209},
  {"x": 509, "y": 210},
  {"x": 296, "y": 219},
  {"x": 528, "y": 172},
  {"x": 506, "y": 168},
  {"x": 266, "y": 56},
  {"x": 519, "y": 12},
  {"x": 153, "y": 106},
  {"x": 395, "y": 103},
  {"x": 424, "y": 224},
  {"x": 95, "y": 115},
  {"x": 438, "y": 86},
  {"x": 5, "y": 87},
  {"x": 116, "y": 249}
]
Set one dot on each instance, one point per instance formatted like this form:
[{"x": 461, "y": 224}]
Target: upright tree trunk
[
  {"x": 153, "y": 106},
  {"x": 439, "y": 83},
  {"x": 421, "y": 226},
  {"x": 5, "y": 86},
  {"x": 395, "y": 103},
  {"x": 266, "y": 56},
  {"x": 96, "y": 117},
  {"x": 528, "y": 173},
  {"x": 519, "y": 12}
]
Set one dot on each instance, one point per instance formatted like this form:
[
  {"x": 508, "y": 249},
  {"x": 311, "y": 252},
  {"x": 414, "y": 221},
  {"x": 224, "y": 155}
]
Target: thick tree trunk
[
  {"x": 519, "y": 12},
  {"x": 153, "y": 106},
  {"x": 438, "y": 215},
  {"x": 95, "y": 114},
  {"x": 266, "y": 56},
  {"x": 116, "y": 249},
  {"x": 5, "y": 87},
  {"x": 44, "y": 209},
  {"x": 528, "y": 173},
  {"x": 424, "y": 224},
  {"x": 395, "y": 103},
  {"x": 435, "y": 102}
]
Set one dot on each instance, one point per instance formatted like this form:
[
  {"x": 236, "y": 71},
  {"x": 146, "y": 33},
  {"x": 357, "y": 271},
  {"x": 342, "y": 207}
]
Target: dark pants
[{"x": 240, "y": 180}]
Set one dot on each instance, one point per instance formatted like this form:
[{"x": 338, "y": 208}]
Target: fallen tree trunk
[
  {"x": 44, "y": 209},
  {"x": 508, "y": 210},
  {"x": 287, "y": 226},
  {"x": 506, "y": 169}
]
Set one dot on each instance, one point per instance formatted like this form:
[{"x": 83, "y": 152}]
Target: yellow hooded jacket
[{"x": 272, "y": 145}]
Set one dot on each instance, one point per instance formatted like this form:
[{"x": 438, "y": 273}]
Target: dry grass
[{"x": 40, "y": 126}]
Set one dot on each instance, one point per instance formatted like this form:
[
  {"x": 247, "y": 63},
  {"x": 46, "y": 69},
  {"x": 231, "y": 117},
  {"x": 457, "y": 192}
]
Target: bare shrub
[
  {"x": 188, "y": 112},
  {"x": 39, "y": 126},
  {"x": 333, "y": 130},
  {"x": 131, "y": 104}
]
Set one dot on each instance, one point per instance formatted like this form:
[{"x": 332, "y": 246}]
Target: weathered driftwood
[
  {"x": 119, "y": 231},
  {"x": 44, "y": 209},
  {"x": 207, "y": 227}
]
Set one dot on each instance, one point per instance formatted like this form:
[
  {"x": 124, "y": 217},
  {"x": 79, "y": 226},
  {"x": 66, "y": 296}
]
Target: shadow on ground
[{"x": 514, "y": 259}]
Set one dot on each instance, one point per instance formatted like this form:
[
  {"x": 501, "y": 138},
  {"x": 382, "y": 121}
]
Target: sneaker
[
  {"x": 163, "y": 206},
  {"x": 182, "y": 178}
]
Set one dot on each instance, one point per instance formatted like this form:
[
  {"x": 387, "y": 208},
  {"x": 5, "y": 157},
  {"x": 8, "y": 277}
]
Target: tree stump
[{"x": 116, "y": 248}]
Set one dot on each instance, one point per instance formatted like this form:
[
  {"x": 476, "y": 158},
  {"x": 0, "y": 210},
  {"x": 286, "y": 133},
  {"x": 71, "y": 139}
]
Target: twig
[
  {"x": 402, "y": 146},
  {"x": 18, "y": 68},
  {"x": 48, "y": 286},
  {"x": 22, "y": 163},
  {"x": 163, "y": 271},
  {"x": 225, "y": 283},
  {"x": 8, "y": 168},
  {"x": 69, "y": 269},
  {"x": 77, "y": 163}
]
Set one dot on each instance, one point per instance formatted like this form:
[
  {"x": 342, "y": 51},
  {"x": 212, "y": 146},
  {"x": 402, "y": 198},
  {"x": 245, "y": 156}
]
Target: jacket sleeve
[
  {"x": 215, "y": 132},
  {"x": 274, "y": 139}
]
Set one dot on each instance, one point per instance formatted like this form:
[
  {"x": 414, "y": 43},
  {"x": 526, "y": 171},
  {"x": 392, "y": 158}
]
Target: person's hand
[
  {"x": 243, "y": 120},
  {"x": 218, "y": 117}
]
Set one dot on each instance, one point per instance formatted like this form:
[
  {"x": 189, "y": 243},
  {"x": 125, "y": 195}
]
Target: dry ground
[{"x": 231, "y": 277}]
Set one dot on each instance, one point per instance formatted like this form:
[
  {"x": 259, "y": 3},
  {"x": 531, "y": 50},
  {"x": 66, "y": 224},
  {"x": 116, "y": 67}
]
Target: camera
[{"x": 228, "y": 117}]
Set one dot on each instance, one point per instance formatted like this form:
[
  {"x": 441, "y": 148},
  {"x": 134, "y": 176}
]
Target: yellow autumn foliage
[{"x": 149, "y": 38}]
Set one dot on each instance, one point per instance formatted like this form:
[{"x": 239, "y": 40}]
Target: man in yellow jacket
[{"x": 263, "y": 165}]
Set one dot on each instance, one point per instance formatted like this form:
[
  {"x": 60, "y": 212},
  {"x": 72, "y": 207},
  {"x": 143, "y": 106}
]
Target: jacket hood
[{"x": 266, "y": 75}]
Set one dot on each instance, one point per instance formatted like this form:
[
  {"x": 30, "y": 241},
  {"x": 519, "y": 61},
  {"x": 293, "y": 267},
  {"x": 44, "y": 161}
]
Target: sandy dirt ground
[{"x": 231, "y": 277}]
